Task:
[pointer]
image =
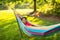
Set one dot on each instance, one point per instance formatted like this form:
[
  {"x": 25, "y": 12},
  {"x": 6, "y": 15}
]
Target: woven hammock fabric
[{"x": 33, "y": 31}]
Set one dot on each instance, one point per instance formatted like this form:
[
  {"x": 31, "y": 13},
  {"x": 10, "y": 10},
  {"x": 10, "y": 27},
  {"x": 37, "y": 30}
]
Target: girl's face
[{"x": 24, "y": 20}]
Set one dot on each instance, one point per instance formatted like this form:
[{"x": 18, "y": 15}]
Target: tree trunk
[
  {"x": 34, "y": 8},
  {"x": 34, "y": 5}
]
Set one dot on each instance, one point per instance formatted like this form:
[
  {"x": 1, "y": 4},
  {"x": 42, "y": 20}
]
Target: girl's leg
[
  {"x": 54, "y": 25},
  {"x": 45, "y": 27}
]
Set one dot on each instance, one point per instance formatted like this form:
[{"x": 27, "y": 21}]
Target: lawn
[{"x": 9, "y": 28}]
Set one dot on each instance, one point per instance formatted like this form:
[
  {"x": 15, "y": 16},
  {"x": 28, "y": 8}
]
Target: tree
[{"x": 34, "y": 5}]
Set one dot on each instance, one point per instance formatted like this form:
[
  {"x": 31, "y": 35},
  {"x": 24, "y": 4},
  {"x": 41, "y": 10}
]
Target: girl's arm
[{"x": 33, "y": 25}]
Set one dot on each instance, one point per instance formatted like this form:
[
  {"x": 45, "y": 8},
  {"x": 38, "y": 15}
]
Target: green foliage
[
  {"x": 7, "y": 3},
  {"x": 47, "y": 6},
  {"x": 52, "y": 7}
]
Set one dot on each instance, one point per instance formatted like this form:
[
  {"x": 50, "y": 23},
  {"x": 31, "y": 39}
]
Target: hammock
[{"x": 37, "y": 31}]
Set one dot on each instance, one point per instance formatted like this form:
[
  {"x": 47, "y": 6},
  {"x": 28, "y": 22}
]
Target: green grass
[{"x": 9, "y": 28}]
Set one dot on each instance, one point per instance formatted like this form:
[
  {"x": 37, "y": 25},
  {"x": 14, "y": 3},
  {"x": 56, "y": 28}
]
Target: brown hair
[{"x": 23, "y": 18}]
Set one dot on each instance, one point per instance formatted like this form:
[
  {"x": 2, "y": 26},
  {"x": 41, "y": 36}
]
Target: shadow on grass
[
  {"x": 11, "y": 32},
  {"x": 5, "y": 23}
]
